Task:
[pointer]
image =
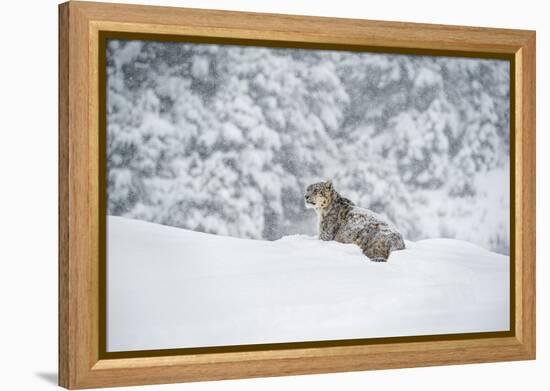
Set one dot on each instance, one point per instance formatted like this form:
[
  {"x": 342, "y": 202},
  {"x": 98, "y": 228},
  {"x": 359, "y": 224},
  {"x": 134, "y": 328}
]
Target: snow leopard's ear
[{"x": 328, "y": 183}]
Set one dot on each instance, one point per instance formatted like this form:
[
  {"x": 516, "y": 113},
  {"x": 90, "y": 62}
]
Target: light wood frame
[{"x": 81, "y": 364}]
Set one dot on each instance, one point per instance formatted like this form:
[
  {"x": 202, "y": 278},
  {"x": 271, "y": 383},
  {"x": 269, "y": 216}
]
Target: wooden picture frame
[{"x": 82, "y": 360}]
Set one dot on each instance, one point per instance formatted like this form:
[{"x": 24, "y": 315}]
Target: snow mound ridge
[{"x": 173, "y": 288}]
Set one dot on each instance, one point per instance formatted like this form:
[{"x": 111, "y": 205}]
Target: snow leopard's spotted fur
[{"x": 343, "y": 221}]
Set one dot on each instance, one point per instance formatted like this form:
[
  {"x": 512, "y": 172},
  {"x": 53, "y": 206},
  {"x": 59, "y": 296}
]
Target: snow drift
[{"x": 174, "y": 288}]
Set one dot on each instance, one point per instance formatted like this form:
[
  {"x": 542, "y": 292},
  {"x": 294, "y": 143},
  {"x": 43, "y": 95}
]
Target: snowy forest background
[{"x": 224, "y": 139}]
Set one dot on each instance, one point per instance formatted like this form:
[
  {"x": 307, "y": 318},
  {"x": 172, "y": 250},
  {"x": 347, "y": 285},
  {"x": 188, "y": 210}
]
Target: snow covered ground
[{"x": 174, "y": 288}]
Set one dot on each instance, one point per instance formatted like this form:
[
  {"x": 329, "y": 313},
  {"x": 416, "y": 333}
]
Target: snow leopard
[{"x": 341, "y": 220}]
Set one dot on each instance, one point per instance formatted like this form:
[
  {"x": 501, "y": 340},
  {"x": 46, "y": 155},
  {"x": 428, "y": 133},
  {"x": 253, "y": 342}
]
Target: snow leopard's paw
[{"x": 378, "y": 259}]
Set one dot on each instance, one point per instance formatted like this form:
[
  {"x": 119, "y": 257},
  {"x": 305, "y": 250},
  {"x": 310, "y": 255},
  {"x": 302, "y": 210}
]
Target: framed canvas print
[{"x": 248, "y": 195}]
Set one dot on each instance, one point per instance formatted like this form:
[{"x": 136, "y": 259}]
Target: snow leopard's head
[{"x": 319, "y": 195}]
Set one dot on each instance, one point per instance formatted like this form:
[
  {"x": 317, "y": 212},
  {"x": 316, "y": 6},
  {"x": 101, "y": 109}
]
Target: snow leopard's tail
[{"x": 397, "y": 242}]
